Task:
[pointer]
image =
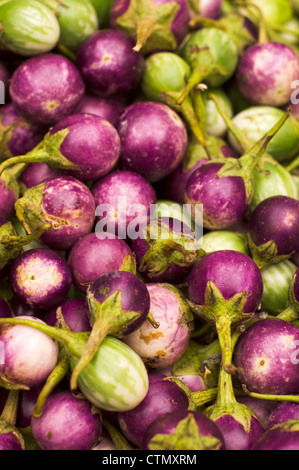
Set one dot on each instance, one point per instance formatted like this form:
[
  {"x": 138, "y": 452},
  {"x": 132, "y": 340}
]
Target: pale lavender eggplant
[
  {"x": 153, "y": 139},
  {"x": 162, "y": 347},
  {"x": 224, "y": 199},
  {"x": 108, "y": 108},
  {"x": 282, "y": 437},
  {"x": 108, "y": 64},
  {"x": 121, "y": 197},
  {"x": 178, "y": 27},
  {"x": 67, "y": 204},
  {"x": 68, "y": 422},
  {"x": 93, "y": 256},
  {"x": 21, "y": 135},
  {"x": 92, "y": 144},
  {"x": 46, "y": 88},
  {"x": 162, "y": 397},
  {"x": 35, "y": 174},
  {"x": 41, "y": 278},
  {"x": 30, "y": 355},
  {"x": 282, "y": 412},
  {"x": 275, "y": 220},
  {"x": 265, "y": 357},
  {"x": 168, "y": 423},
  {"x": 232, "y": 272},
  {"x": 266, "y": 72},
  {"x": 210, "y": 8},
  {"x": 168, "y": 259},
  {"x": 234, "y": 434},
  {"x": 74, "y": 312}
]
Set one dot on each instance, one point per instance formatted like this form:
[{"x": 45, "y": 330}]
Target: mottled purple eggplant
[
  {"x": 46, "y": 88},
  {"x": 163, "y": 396},
  {"x": 108, "y": 64},
  {"x": 122, "y": 197},
  {"x": 284, "y": 436},
  {"x": 153, "y": 139},
  {"x": 41, "y": 278},
  {"x": 153, "y": 24},
  {"x": 94, "y": 255},
  {"x": 68, "y": 422},
  {"x": 64, "y": 202}
]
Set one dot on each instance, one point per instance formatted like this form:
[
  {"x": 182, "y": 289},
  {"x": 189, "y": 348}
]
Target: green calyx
[
  {"x": 107, "y": 318},
  {"x": 239, "y": 412},
  {"x": 7, "y": 253},
  {"x": 150, "y": 25},
  {"x": 266, "y": 254},
  {"x": 185, "y": 436},
  {"x": 165, "y": 248}
]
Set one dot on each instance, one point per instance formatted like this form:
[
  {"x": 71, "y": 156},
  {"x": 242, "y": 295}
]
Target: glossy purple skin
[
  {"x": 25, "y": 135},
  {"x": 266, "y": 72},
  {"x": 27, "y": 401},
  {"x": 153, "y": 139},
  {"x": 92, "y": 144},
  {"x": 232, "y": 272},
  {"x": 235, "y": 437},
  {"x": 36, "y": 173},
  {"x": 210, "y": 8},
  {"x": 41, "y": 278},
  {"x": 276, "y": 218},
  {"x": 179, "y": 26},
  {"x": 108, "y": 63},
  {"x": 223, "y": 199},
  {"x": 133, "y": 291},
  {"x": 10, "y": 441},
  {"x": 30, "y": 355},
  {"x": 121, "y": 190},
  {"x": 265, "y": 356},
  {"x": 261, "y": 408},
  {"x": 276, "y": 439},
  {"x": 5, "y": 311},
  {"x": 67, "y": 423},
  {"x": 162, "y": 397},
  {"x": 283, "y": 411},
  {"x": 8, "y": 198},
  {"x": 46, "y": 88},
  {"x": 174, "y": 273},
  {"x": 91, "y": 257},
  {"x": 167, "y": 423},
  {"x": 108, "y": 108},
  {"x": 75, "y": 314},
  {"x": 68, "y": 199}
]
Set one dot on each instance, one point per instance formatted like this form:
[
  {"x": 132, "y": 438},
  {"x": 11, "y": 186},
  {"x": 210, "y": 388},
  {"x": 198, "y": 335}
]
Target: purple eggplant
[
  {"x": 19, "y": 135},
  {"x": 30, "y": 355},
  {"x": 108, "y": 108},
  {"x": 207, "y": 8},
  {"x": 45, "y": 101},
  {"x": 35, "y": 174},
  {"x": 273, "y": 230},
  {"x": 282, "y": 412},
  {"x": 262, "y": 408},
  {"x": 165, "y": 251},
  {"x": 10, "y": 436},
  {"x": 266, "y": 72},
  {"x": 84, "y": 145},
  {"x": 153, "y": 24},
  {"x": 225, "y": 189},
  {"x": 163, "y": 346},
  {"x": 118, "y": 304},
  {"x": 41, "y": 278},
  {"x": 163, "y": 396},
  {"x": 10, "y": 190},
  {"x": 284, "y": 436},
  {"x": 74, "y": 313},
  {"x": 108, "y": 64},
  {"x": 183, "y": 430},
  {"x": 225, "y": 288},
  {"x": 68, "y": 422},
  {"x": 268, "y": 366},
  {"x": 27, "y": 401},
  {"x": 63, "y": 202},
  {"x": 93, "y": 256},
  {"x": 121, "y": 197},
  {"x": 153, "y": 139}
]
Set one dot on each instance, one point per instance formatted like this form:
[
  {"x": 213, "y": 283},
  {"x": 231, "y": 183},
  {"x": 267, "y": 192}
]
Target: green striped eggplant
[
  {"x": 277, "y": 279},
  {"x": 224, "y": 240},
  {"x": 28, "y": 27}
]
